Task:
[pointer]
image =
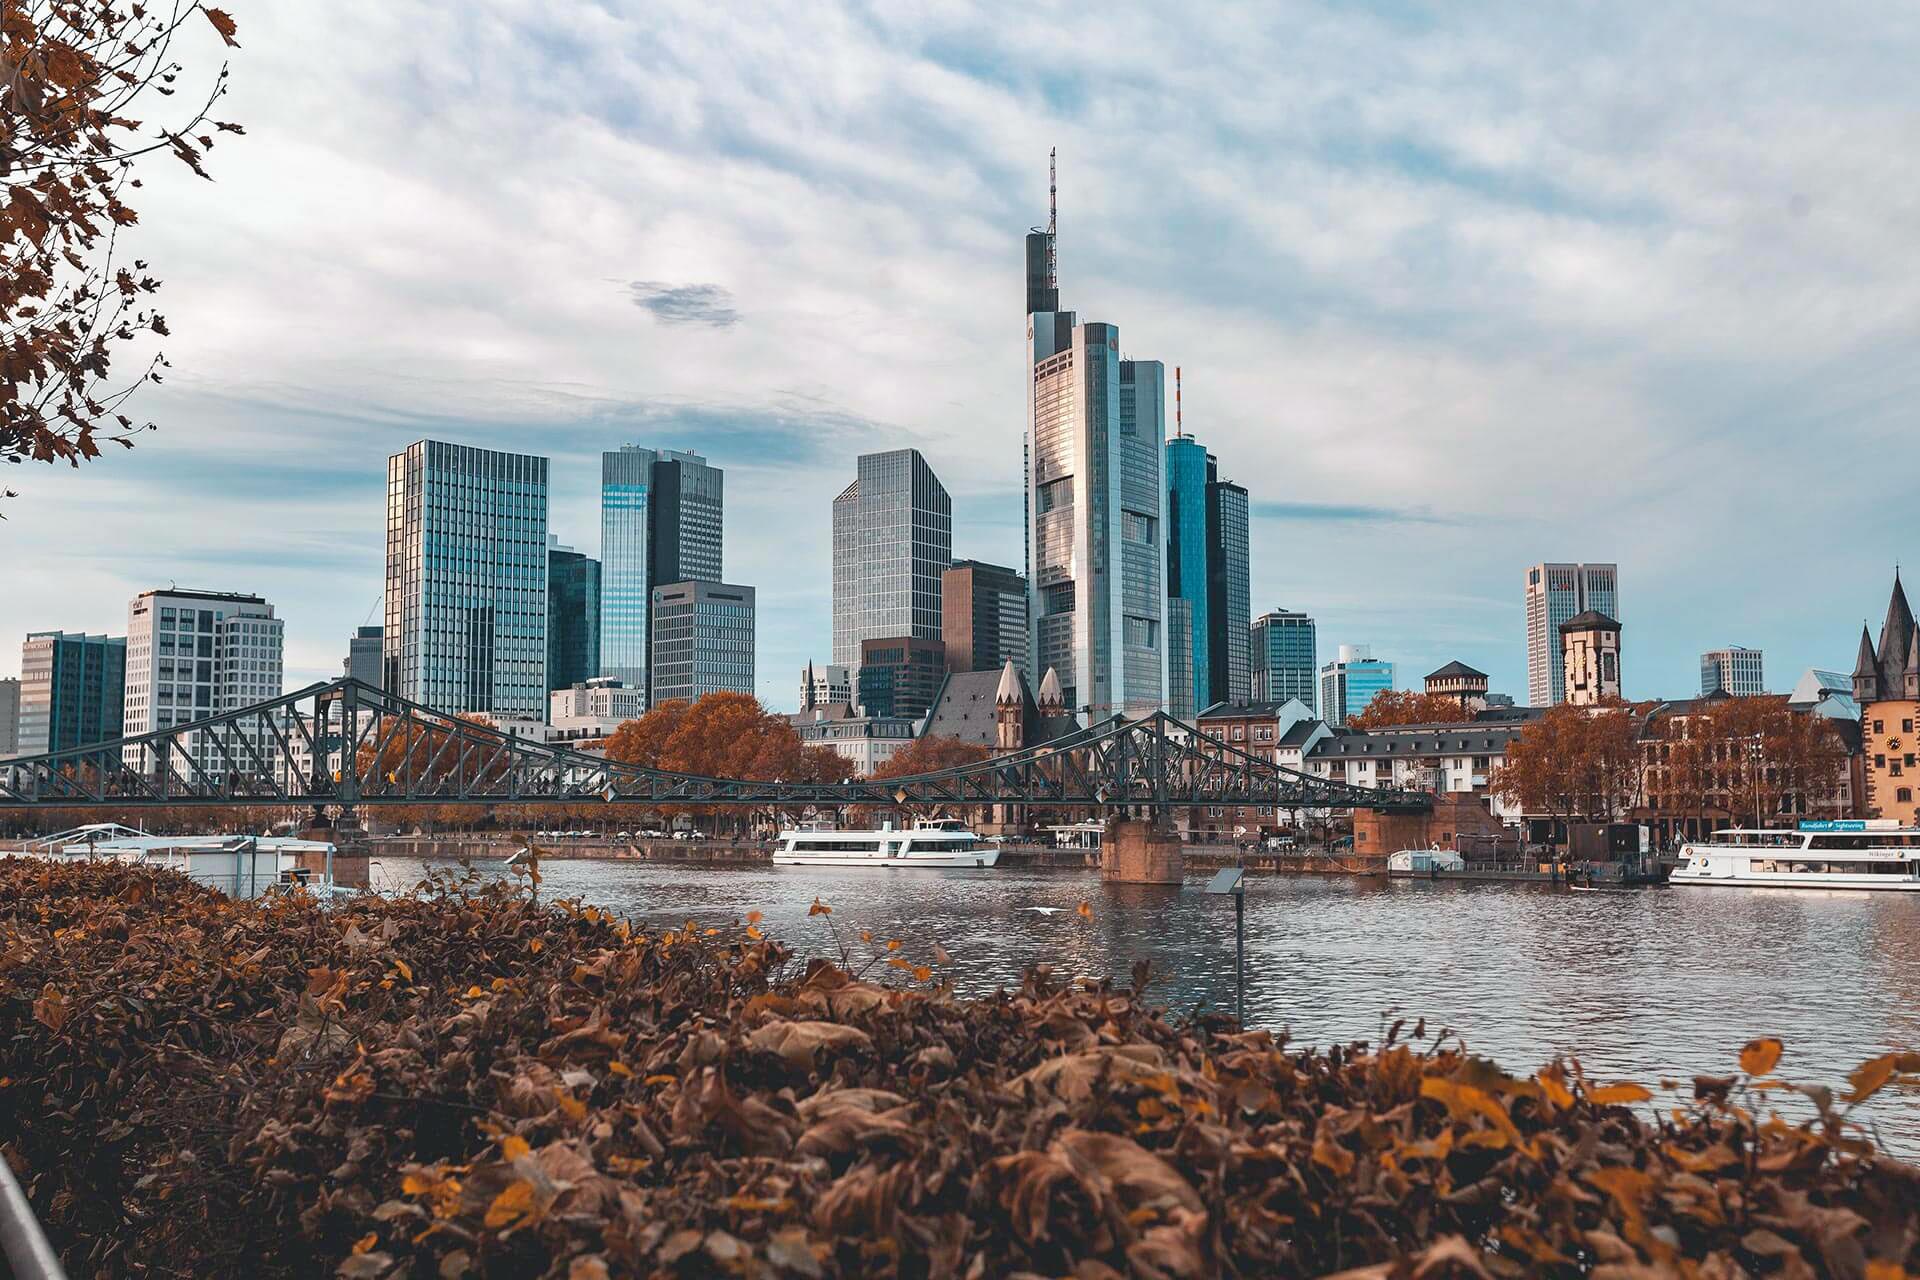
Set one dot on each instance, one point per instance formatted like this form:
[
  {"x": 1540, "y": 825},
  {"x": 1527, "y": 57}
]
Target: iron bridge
[{"x": 345, "y": 744}]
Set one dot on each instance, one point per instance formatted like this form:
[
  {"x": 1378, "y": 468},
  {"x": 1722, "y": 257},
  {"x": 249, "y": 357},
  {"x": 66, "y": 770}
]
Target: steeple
[
  {"x": 1896, "y": 634},
  {"x": 1009, "y": 690},
  {"x": 1053, "y": 700},
  {"x": 1910, "y": 678},
  {"x": 1866, "y": 671}
]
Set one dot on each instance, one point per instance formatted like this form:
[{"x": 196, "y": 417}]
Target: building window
[{"x": 1903, "y": 796}]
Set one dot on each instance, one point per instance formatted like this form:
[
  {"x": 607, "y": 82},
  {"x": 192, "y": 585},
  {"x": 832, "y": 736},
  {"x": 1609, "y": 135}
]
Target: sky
[{"x": 1455, "y": 289}]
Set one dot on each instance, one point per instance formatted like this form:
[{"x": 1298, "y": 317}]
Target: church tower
[
  {"x": 1009, "y": 711},
  {"x": 1886, "y": 684}
]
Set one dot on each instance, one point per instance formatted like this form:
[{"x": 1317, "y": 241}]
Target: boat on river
[
  {"x": 933, "y": 843},
  {"x": 1859, "y": 854}
]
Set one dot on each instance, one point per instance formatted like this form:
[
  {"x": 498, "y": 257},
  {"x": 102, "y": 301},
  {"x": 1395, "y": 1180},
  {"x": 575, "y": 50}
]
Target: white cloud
[{"x": 1588, "y": 281}]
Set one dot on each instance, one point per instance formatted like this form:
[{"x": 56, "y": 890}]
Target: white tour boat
[
  {"x": 1840, "y": 854},
  {"x": 943, "y": 842}
]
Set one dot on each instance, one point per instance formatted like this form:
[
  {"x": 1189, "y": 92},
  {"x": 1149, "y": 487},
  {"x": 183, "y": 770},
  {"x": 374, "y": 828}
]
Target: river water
[{"x": 1637, "y": 985}]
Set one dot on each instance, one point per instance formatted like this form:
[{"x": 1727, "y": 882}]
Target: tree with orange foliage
[
  {"x": 1575, "y": 762},
  {"x": 77, "y": 107},
  {"x": 930, "y": 754},
  {"x": 1391, "y": 707},
  {"x": 1752, "y": 755}
]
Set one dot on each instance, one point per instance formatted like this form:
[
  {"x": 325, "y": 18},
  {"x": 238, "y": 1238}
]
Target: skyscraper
[
  {"x": 661, "y": 522},
  {"x": 1351, "y": 681},
  {"x": 1096, "y": 512},
  {"x": 72, "y": 688},
  {"x": 195, "y": 654},
  {"x": 892, "y": 540},
  {"x": 363, "y": 657},
  {"x": 702, "y": 640},
  {"x": 1207, "y": 566},
  {"x": 466, "y": 612},
  {"x": 1555, "y": 593},
  {"x": 9, "y": 717},
  {"x": 900, "y": 676},
  {"x": 1733, "y": 670},
  {"x": 983, "y": 610},
  {"x": 1285, "y": 657},
  {"x": 573, "y": 616}
]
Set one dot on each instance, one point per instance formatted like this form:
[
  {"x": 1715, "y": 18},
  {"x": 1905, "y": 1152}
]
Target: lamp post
[{"x": 1233, "y": 880}]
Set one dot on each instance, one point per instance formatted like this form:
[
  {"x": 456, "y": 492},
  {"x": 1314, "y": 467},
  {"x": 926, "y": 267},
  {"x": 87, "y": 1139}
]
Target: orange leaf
[
  {"x": 511, "y": 1205},
  {"x": 223, "y": 24},
  {"x": 513, "y": 1146},
  {"x": 819, "y": 908},
  {"x": 1868, "y": 1078},
  {"x": 1615, "y": 1094},
  {"x": 366, "y": 1242},
  {"x": 893, "y": 944},
  {"x": 1555, "y": 1089},
  {"x": 1759, "y": 1056},
  {"x": 1085, "y": 909},
  {"x": 921, "y": 973},
  {"x": 400, "y": 966},
  {"x": 754, "y": 917},
  {"x": 1332, "y": 1155}
]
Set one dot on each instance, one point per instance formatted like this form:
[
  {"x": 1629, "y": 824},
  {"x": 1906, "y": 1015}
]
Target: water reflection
[{"x": 1645, "y": 984}]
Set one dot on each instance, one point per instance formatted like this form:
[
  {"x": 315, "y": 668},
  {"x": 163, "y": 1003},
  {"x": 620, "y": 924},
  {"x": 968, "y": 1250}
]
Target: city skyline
[{"x": 1394, "y": 405}]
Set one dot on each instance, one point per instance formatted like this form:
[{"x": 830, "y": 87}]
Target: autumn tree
[
  {"x": 78, "y": 82},
  {"x": 930, "y": 754},
  {"x": 1574, "y": 763},
  {"x": 1391, "y": 707},
  {"x": 1752, "y": 755}
]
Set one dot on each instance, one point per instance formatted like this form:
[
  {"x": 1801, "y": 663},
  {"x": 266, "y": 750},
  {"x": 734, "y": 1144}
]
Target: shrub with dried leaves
[{"x": 464, "y": 1081}]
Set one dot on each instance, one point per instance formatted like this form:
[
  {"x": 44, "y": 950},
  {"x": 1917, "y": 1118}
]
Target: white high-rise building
[
  {"x": 192, "y": 655},
  {"x": 824, "y": 683},
  {"x": 1733, "y": 669},
  {"x": 1556, "y": 593}
]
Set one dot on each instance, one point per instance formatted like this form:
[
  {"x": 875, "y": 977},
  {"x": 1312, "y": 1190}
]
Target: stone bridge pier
[{"x": 1141, "y": 851}]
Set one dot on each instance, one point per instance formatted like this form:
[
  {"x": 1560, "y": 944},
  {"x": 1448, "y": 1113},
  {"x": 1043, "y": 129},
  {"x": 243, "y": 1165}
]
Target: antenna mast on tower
[
  {"x": 1179, "y": 425},
  {"x": 1053, "y": 222}
]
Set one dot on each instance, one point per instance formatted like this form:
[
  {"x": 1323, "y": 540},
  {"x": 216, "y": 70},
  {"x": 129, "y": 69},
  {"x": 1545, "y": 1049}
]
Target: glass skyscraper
[
  {"x": 1555, "y": 593},
  {"x": 573, "y": 617},
  {"x": 1207, "y": 566},
  {"x": 1285, "y": 658},
  {"x": 892, "y": 541},
  {"x": 466, "y": 600},
  {"x": 72, "y": 688},
  {"x": 1096, "y": 513},
  {"x": 661, "y": 519},
  {"x": 1351, "y": 681}
]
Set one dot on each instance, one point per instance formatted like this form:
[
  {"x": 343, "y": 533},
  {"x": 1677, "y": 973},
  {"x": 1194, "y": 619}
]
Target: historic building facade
[{"x": 1886, "y": 684}]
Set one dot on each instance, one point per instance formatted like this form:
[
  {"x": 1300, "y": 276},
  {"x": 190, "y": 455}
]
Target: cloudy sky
[{"x": 1455, "y": 287}]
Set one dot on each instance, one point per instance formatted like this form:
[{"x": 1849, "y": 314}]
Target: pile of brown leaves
[{"x": 466, "y": 1081}]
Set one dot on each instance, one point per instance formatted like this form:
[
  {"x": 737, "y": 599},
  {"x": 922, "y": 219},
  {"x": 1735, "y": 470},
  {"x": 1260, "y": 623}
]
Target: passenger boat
[
  {"x": 1842, "y": 854},
  {"x": 942, "y": 842}
]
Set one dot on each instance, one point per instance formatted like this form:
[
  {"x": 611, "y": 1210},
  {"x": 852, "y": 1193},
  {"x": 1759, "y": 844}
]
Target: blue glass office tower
[
  {"x": 466, "y": 601},
  {"x": 71, "y": 690},
  {"x": 661, "y": 515},
  {"x": 1207, "y": 566},
  {"x": 573, "y": 617},
  {"x": 1351, "y": 681}
]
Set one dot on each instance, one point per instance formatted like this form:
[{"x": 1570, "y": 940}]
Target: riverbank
[{"x": 478, "y": 1083}]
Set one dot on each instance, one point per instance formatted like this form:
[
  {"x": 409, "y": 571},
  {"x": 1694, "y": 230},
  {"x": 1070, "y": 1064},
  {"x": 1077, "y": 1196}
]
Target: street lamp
[{"x": 1233, "y": 880}]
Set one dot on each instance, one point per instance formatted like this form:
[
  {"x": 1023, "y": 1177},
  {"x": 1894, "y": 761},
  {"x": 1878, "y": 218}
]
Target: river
[{"x": 1638, "y": 985}]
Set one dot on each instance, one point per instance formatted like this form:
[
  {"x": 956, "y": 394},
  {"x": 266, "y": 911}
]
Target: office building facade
[
  {"x": 1733, "y": 670},
  {"x": 900, "y": 676},
  {"x": 703, "y": 640},
  {"x": 1207, "y": 566},
  {"x": 9, "y": 717},
  {"x": 600, "y": 698},
  {"x": 1353, "y": 679},
  {"x": 195, "y": 654},
  {"x": 72, "y": 688},
  {"x": 466, "y": 601},
  {"x": 363, "y": 661},
  {"x": 1284, "y": 656},
  {"x": 1096, "y": 516},
  {"x": 1182, "y": 696},
  {"x": 573, "y": 617},
  {"x": 983, "y": 611},
  {"x": 892, "y": 542},
  {"x": 662, "y": 517},
  {"x": 1555, "y": 593}
]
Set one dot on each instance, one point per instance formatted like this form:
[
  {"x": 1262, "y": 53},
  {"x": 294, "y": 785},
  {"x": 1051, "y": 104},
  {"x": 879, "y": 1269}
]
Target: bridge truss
[{"x": 345, "y": 744}]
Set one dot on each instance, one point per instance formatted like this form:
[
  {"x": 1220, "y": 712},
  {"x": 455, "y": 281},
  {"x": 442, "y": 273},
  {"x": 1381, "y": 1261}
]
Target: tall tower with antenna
[{"x": 1043, "y": 264}]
